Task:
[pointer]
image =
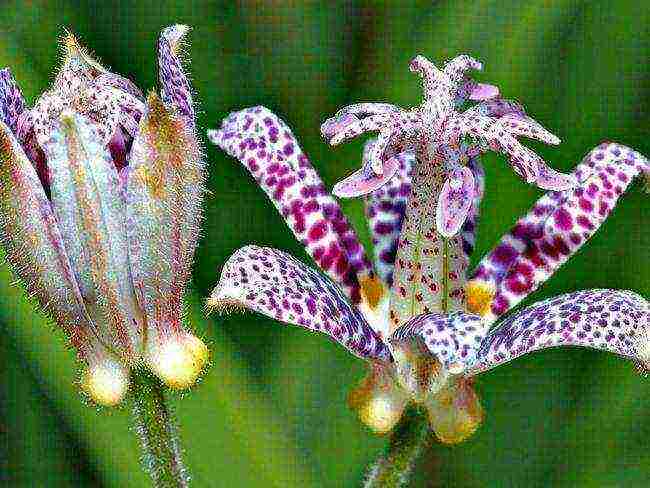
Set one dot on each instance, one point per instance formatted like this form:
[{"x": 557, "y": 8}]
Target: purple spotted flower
[
  {"x": 100, "y": 196},
  {"x": 443, "y": 138},
  {"x": 429, "y": 350}
]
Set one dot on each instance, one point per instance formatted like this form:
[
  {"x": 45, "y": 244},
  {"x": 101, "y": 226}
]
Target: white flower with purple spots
[
  {"x": 430, "y": 354},
  {"x": 434, "y": 133}
]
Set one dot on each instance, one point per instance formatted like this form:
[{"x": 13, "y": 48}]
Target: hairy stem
[
  {"x": 408, "y": 440},
  {"x": 158, "y": 433}
]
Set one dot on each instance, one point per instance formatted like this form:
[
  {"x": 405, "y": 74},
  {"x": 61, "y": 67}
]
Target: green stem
[
  {"x": 408, "y": 440},
  {"x": 158, "y": 433}
]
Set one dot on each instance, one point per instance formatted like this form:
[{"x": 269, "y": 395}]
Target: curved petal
[
  {"x": 279, "y": 286},
  {"x": 555, "y": 228},
  {"x": 453, "y": 339},
  {"x": 455, "y": 201},
  {"x": 175, "y": 87},
  {"x": 609, "y": 320},
  {"x": 12, "y": 102},
  {"x": 265, "y": 145}
]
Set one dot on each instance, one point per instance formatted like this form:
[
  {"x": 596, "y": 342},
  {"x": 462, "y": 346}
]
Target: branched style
[
  {"x": 100, "y": 209},
  {"x": 424, "y": 322}
]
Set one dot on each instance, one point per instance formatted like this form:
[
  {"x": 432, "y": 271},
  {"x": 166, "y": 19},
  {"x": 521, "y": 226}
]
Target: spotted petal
[
  {"x": 385, "y": 209},
  {"x": 455, "y": 201},
  {"x": 165, "y": 188},
  {"x": 453, "y": 339},
  {"x": 279, "y": 286},
  {"x": 12, "y": 103},
  {"x": 468, "y": 231},
  {"x": 556, "y": 227},
  {"x": 608, "y": 320},
  {"x": 265, "y": 145},
  {"x": 175, "y": 87}
]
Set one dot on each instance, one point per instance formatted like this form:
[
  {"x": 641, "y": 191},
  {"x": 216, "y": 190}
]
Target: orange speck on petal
[
  {"x": 372, "y": 290},
  {"x": 479, "y": 297}
]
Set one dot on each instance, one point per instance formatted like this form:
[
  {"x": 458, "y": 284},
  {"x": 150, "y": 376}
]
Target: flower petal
[
  {"x": 89, "y": 208},
  {"x": 265, "y": 145},
  {"x": 385, "y": 208},
  {"x": 165, "y": 188},
  {"x": 556, "y": 227},
  {"x": 455, "y": 201},
  {"x": 34, "y": 247},
  {"x": 176, "y": 90},
  {"x": 279, "y": 286},
  {"x": 12, "y": 103},
  {"x": 452, "y": 339},
  {"x": 608, "y": 320}
]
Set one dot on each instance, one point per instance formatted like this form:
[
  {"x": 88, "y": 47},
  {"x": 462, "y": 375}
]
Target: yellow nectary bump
[
  {"x": 454, "y": 413},
  {"x": 106, "y": 382},
  {"x": 379, "y": 401},
  {"x": 479, "y": 297},
  {"x": 372, "y": 290},
  {"x": 178, "y": 361}
]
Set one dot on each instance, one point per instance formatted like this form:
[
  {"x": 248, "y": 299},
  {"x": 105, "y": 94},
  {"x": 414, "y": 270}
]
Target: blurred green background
[{"x": 271, "y": 411}]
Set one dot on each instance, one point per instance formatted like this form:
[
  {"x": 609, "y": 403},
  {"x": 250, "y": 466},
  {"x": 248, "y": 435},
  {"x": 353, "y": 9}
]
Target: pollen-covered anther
[
  {"x": 106, "y": 382},
  {"x": 179, "y": 360},
  {"x": 479, "y": 297}
]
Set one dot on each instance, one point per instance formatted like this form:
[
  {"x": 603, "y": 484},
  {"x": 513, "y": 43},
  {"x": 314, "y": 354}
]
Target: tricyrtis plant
[
  {"x": 100, "y": 208},
  {"x": 419, "y": 318}
]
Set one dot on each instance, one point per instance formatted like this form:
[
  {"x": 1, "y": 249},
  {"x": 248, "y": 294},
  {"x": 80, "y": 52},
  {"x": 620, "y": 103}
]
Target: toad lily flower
[
  {"x": 100, "y": 207},
  {"x": 432, "y": 357},
  {"x": 434, "y": 132}
]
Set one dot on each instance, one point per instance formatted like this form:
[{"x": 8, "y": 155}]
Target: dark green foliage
[{"x": 271, "y": 410}]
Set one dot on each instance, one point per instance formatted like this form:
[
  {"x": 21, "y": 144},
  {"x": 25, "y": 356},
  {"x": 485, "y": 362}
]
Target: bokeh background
[{"x": 271, "y": 411}]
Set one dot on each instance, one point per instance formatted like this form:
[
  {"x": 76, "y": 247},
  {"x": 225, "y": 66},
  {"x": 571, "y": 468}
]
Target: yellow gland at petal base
[
  {"x": 378, "y": 401},
  {"x": 179, "y": 360},
  {"x": 455, "y": 412},
  {"x": 106, "y": 382},
  {"x": 479, "y": 297}
]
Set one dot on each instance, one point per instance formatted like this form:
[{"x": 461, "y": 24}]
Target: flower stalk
[
  {"x": 157, "y": 431},
  {"x": 409, "y": 438}
]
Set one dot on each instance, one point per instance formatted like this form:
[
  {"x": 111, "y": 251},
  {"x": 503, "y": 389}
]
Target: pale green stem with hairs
[{"x": 156, "y": 427}]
